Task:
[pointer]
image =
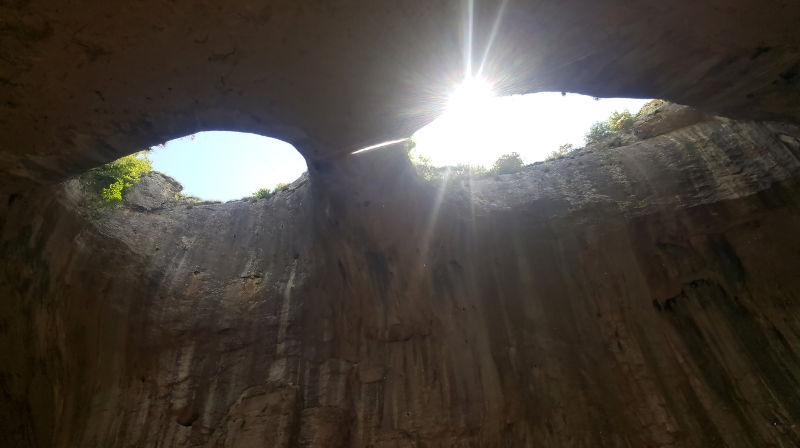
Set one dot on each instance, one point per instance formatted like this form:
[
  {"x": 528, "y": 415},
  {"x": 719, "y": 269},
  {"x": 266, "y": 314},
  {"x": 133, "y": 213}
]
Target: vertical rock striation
[{"x": 641, "y": 295}]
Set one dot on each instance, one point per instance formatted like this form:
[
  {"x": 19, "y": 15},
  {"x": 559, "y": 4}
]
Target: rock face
[
  {"x": 154, "y": 191},
  {"x": 642, "y": 295}
]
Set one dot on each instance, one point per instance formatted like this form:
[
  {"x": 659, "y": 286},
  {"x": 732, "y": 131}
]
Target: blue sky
[
  {"x": 221, "y": 166},
  {"x": 218, "y": 165}
]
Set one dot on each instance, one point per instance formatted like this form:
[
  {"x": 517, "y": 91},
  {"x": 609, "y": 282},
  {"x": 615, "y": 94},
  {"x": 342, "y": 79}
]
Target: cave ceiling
[{"x": 84, "y": 83}]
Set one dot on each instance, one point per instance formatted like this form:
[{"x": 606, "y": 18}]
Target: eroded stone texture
[
  {"x": 642, "y": 295},
  {"x": 154, "y": 191},
  {"x": 83, "y": 84}
]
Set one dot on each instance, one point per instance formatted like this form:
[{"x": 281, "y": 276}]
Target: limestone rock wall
[{"x": 642, "y": 295}]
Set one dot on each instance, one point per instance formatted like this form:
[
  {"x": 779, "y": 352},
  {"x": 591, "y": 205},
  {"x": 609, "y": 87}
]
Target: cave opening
[
  {"x": 217, "y": 166},
  {"x": 226, "y": 165},
  {"x": 479, "y": 128}
]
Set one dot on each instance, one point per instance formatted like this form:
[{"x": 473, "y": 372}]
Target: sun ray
[
  {"x": 432, "y": 220},
  {"x": 492, "y": 35},
  {"x": 380, "y": 145},
  {"x": 468, "y": 51}
]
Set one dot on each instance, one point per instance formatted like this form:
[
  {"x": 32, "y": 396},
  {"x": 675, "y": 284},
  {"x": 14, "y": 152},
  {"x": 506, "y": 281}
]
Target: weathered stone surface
[
  {"x": 153, "y": 192},
  {"x": 643, "y": 295},
  {"x": 666, "y": 117},
  {"x": 82, "y": 85}
]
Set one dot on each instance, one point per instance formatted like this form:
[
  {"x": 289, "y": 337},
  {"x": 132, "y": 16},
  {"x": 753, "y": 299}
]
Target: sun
[
  {"x": 470, "y": 97},
  {"x": 466, "y": 128},
  {"x": 479, "y": 124}
]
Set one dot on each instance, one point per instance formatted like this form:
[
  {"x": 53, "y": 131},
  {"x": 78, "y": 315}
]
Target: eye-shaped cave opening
[
  {"x": 215, "y": 166},
  {"x": 481, "y": 132}
]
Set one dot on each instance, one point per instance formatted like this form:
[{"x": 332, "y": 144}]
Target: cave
[{"x": 638, "y": 294}]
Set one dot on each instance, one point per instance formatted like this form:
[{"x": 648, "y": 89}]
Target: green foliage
[
  {"x": 115, "y": 178},
  {"x": 507, "y": 164},
  {"x": 113, "y": 193},
  {"x": 416, "y": 158},
  {"x": 562, "y": 151},
  {"x": 650, "y": 108},
  {"x": 427, "y": 171},
  {"x": 262, "y": 193},
  {"x": 620, "y": 120},
  {"x": 421, "y": 163},
  {"x": 602, "y": 129},
  {"x": 597, "y": 132}
]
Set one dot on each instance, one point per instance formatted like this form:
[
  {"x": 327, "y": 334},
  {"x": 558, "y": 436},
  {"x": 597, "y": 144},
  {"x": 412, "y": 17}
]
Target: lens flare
[{"x": 470, "y": 96}]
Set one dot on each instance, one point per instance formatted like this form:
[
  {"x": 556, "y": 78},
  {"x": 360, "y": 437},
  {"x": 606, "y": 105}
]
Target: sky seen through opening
[
  {"x": 222, "y": 165},
  {"x": 476, "y": 129}
]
